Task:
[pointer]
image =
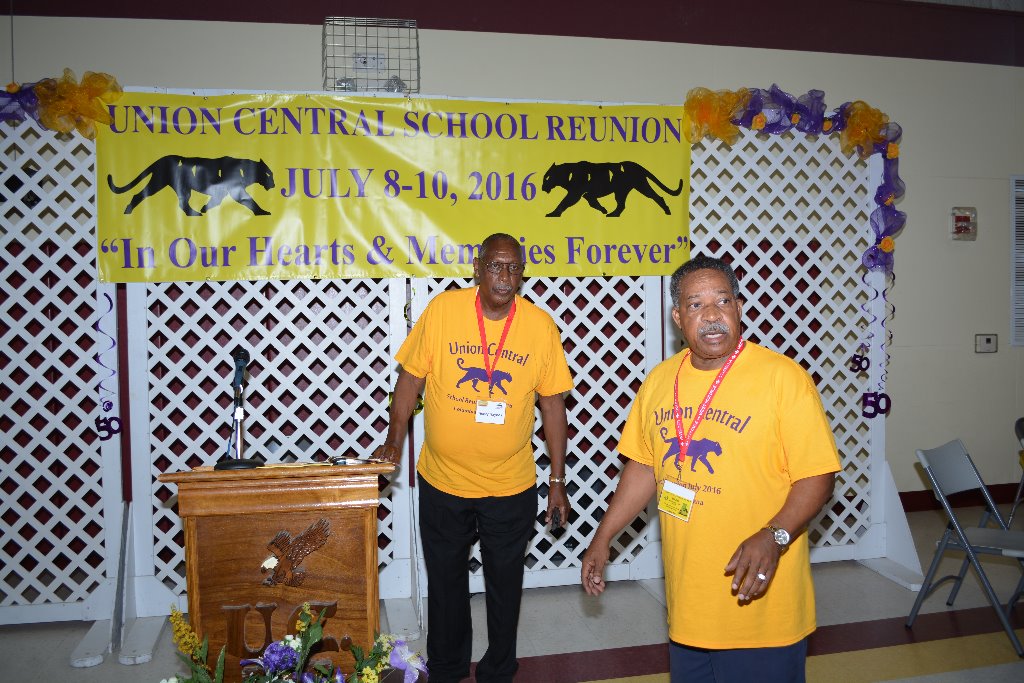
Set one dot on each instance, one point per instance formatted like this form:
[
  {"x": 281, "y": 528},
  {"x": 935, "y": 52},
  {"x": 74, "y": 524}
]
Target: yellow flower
[
  {"x": 826, "y": 126},
  {"x": 892, "y": 150},
  {"x": 184, "y": 637},
  {"x": 368, "y": 675},
  {"x": 305, "y": 618},
  {"x": 795, "y": 118},
  {"x": 887, "y": 245},
  {"x": 758, "y": 122}
]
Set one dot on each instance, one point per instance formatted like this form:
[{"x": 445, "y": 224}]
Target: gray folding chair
[
  {"x": 951, "y": 470},
  {"x": 1018, "y": 429}
]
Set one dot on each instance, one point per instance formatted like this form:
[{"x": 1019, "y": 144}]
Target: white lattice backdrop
[
  {"x": 320, "y": 377},
  {"x": 790, "y": 213},
  {"x": 606, "y": 335},
  {"x": 56, "y": 535}
]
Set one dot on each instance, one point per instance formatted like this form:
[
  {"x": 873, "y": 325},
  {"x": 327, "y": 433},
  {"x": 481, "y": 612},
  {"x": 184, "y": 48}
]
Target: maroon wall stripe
[{"x": 889, "y": 28}]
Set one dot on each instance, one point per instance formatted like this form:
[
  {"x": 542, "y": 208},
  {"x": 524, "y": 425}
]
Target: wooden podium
[{"x": 261, "y": 542}]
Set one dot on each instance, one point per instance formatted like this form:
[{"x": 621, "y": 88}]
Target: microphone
[{"x": 241, "y": 358}]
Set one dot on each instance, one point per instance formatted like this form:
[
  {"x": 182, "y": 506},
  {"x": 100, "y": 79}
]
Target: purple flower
[
  {"x": 338, "y": 676},
  {"x": 277, "y": 658},
  {"x": 408, "y": 661}
]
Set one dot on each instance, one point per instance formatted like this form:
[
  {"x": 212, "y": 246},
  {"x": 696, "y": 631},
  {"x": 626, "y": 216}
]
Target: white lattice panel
[
  {"x": 604, "y": 332},
  {"x": 320, "y": 377},
  {"x": 791, "y": 215},
  {"x": 54, "y": 541}
]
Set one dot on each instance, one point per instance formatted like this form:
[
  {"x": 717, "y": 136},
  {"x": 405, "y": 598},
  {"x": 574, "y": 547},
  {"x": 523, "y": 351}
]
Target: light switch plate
[{"x": 986, "y": 343}]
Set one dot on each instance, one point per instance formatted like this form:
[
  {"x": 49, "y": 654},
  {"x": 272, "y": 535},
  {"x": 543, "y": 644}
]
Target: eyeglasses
[{"x": 496, "y": 267}]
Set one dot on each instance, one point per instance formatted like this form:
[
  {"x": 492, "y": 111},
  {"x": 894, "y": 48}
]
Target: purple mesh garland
[
  {"x": 811, "y": 109},
  {"x": 18, "y": 105},
  {"x": 778, "y": 111},
  {"x": 876, "y": 259},
  {"x": 886, "y": 221}
]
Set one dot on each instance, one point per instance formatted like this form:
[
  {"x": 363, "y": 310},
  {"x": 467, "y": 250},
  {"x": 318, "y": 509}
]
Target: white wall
[{"x": 962, "y": 140}]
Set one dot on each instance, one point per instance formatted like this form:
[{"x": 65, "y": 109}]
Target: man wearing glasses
[{"x": 483, "y": 357}]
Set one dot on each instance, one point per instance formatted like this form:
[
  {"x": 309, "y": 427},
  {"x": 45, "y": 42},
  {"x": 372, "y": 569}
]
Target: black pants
[{"x": 448, "y": 526}]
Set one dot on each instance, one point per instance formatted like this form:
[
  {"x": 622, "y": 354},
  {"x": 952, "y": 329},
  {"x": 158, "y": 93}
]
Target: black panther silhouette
[
  {"x": 586, "y": 180},
  {"x": 218, "y": 178},
  {"x": 475, "y": 375},
  {"x": 698, "y": 450}
]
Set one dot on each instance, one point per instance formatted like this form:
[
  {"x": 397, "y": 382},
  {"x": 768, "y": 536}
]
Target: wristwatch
[{"x": 780, "y": 535}]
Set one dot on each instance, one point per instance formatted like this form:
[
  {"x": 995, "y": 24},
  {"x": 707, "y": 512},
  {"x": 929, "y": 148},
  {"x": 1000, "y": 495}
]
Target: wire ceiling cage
[{"x": 371, "y": 55}]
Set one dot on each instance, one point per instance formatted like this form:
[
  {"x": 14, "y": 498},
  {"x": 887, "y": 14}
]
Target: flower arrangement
[{"x": 285, "y": 661}]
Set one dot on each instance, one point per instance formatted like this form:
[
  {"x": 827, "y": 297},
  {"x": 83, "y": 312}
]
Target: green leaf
[{"x": 219, "y": 672}]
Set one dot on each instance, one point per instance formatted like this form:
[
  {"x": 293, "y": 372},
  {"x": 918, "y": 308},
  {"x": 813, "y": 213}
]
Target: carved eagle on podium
[{"x": 287, "y": 554}]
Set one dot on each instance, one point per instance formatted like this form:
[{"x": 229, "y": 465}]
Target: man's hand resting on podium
[{"x": 388, "y": 453}]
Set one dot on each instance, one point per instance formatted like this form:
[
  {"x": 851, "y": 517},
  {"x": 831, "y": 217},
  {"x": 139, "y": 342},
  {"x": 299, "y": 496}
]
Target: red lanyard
[
  {"x": 684, "y": 441},
  {"x": 483, "y": 339}
]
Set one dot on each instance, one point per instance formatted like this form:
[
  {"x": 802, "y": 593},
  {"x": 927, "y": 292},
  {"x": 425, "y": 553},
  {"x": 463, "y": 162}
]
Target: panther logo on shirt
[
  {"x": 474, "y": 375},
  {"x": 698, "y": 451}
]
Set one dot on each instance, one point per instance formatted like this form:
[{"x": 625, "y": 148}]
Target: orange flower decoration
[
  {"x": 863, "y": 130},
  {"x": 709, "y": 113},
  {"x": 64, "y": 105},
  {"x": 892, "y": 150},
  {"x": 794, "y": 118},
  {"x": 887, "y": 245},
  {"x": 13, "y": 87},
  {"x": 758, "y": 122},
  {"x": 826, "y": 126}
]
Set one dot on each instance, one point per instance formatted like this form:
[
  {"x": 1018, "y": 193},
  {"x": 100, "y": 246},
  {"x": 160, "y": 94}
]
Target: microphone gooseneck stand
[{"x": 237, "y": 462}]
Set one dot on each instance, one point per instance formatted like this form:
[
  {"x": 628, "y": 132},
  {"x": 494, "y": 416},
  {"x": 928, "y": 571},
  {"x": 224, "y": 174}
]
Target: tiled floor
[{"x": 565, "y": 620}]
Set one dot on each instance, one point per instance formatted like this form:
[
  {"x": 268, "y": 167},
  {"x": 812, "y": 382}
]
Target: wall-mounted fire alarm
[{"x": 964, "y": 223}]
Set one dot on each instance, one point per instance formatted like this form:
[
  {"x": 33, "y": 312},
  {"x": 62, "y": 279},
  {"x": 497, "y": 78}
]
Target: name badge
[
  {"x": 676, "y": 500},
  {"x": 490, "y": 412}
]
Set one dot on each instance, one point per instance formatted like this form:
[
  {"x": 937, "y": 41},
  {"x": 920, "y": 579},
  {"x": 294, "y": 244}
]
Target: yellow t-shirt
[
  {"x": 765, "y": 429},
  {"x": 461, "y": 456}
]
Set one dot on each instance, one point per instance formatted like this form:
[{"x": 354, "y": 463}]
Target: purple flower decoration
[
  {"x": 754, "y": 106},
  {"x": 338, "y": 676},
  {"x": 836, "y": 121},
  {"x": 810, "y": 112},
  {"x": 886, "y": 221},
  {"x": 876, "y": 259},
  {"x": 778, "y": 111},
  {"x": 17, "y": 105},
  {"x": 408, "y": 661}
]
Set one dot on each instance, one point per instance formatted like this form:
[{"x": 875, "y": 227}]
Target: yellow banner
[{"x": 248, "y": 187}]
